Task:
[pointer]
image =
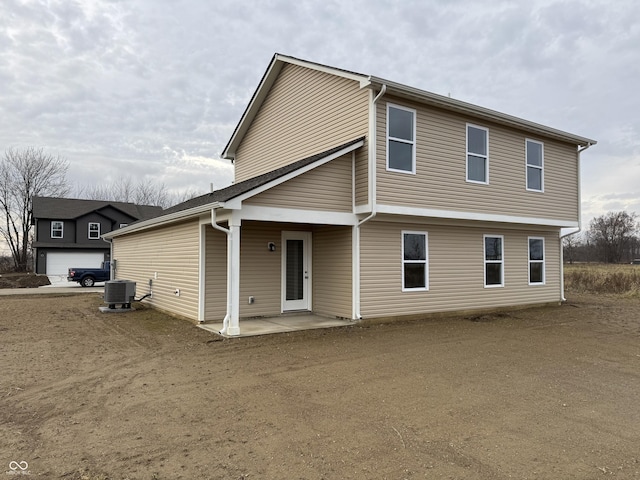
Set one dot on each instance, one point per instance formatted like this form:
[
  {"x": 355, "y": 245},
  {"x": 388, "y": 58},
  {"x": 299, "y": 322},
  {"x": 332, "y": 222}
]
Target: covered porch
[{"x": 280, "y": 276}]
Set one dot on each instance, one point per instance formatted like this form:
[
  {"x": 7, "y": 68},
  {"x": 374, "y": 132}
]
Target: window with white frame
[
  {"x": 94, "y": 230},
  {"x": 536, "y": 260},
  {"x": 57, "y": 229},
  {"x": 477, "y": 154},
  {"x": 415, "y": 267},
  {"x": 535, "y": 165},
  {"x": 493, "y": 261},
  {"x": 401, "y": 139}
]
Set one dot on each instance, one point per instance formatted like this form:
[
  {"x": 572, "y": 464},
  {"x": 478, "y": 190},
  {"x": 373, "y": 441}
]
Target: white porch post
[
  {"x": 233, "y": 275},
  {"x": 202, "y": 271}
]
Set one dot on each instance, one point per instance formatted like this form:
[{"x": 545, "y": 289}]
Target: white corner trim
[{"x": 480, "y": 217}]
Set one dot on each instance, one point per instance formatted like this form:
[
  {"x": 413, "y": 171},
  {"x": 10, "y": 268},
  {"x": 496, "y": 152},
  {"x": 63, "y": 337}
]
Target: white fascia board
[
  {"x": 163, "y": 220},
  {"x": 294, "y": 215},
  {"x": 236, "y": 203},
  {"x": 472, "y": 216},
  {"x": 476, "y": 111},
  {"x": 361, "y": 209},
  {"x": 357, "y": 77}
]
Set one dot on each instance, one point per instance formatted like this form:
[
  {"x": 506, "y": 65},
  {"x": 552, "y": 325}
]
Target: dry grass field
[{"x": 598, "y": 278}]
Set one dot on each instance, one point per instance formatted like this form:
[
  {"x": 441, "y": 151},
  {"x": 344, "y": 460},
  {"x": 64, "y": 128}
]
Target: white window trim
[
  {"x": 89, "y": 231},
  {"x": 485, "y": 261},
  {"x": 426, "y": 261},
  {"x": 543, "y": 261},
  {"x": 61, "y": 228},
  {"x": 466, "y": 158},
  {"x": 402, "y": 140},
  {"x": 526, "y": 166}
]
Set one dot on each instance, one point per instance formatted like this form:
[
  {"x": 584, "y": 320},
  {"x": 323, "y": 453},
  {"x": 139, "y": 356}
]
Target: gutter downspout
[
  {"x": 372, "y": 155},
  {"x": 578, "y": 229},
  {"x": 372, "y": 181},
  {"x": 214, "y": 224}
]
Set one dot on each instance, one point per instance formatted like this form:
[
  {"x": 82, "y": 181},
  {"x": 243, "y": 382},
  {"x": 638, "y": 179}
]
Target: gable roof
[
  {"x": 71, "y": 208},
  {"x": 251, "y": 186},
  {"x": 267, "y": 81},
  {"x": 390, "y": 87}
]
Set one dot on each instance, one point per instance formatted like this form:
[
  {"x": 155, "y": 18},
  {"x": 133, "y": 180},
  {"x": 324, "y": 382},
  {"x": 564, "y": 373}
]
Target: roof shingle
[{"x": 71, "y": 208}]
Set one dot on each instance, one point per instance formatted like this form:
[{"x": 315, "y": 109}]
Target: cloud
[{"x": 155, "y": 89}]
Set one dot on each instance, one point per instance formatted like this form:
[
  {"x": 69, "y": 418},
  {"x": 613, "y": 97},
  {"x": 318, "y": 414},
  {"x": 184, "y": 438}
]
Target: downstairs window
[
  {"x": 493, "y": 261},
  {"x": 415, "y": 269},
  {"x": 536, "y": 261}
]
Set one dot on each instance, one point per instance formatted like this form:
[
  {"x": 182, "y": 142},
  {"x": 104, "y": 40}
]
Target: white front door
[{"x": 296, "y": 271}]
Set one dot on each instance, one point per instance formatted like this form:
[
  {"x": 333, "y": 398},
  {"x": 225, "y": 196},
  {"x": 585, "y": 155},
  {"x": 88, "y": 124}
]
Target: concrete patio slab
[{"x": 285, "y": 323}]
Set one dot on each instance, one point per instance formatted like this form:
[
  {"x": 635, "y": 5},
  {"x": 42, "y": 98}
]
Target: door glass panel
[{"x": 295, "y": 270}]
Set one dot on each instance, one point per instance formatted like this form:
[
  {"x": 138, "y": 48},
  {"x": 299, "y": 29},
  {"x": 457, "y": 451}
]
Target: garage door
[{"x": 59, "y": 263}]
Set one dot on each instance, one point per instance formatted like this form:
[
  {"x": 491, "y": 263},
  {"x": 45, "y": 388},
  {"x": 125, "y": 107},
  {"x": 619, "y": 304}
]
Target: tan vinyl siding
[
  {"x": 332, "y": 271},
  {"x": 362, "y": 176},
  {"x": 440, "y": 179},
  {"x": 170, "y": 257},
  {"x": 260, "y": 269},
  {"x": 456, "y": 270},
  {"x": 328, "y": 187},
  {"x": 305, "y": 113},
  {"x": 215, "y": 275}
]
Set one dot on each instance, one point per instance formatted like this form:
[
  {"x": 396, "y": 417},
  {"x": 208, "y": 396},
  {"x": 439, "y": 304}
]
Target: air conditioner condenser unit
[{"x": 120, "y": 292}]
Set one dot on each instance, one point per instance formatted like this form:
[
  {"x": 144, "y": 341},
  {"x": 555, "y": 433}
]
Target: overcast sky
[{"x": 152, "y": 89}]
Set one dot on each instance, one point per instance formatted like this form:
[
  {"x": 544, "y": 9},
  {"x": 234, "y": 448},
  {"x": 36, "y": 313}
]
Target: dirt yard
[{"x": 545, "y": 393}]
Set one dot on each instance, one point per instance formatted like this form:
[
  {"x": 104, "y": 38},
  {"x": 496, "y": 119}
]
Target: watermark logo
[{"x": 18, "y": 468}]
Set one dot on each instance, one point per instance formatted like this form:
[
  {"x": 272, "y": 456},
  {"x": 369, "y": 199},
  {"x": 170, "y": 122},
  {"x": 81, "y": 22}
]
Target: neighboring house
[
  {"x": 360, "y": 198},
  {"x": 68, "y": 231}
]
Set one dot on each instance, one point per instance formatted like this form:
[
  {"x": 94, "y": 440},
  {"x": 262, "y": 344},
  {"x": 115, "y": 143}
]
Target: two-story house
[
  {"x": 68, "y": 231},
  {"x": 361, "y": 198}
]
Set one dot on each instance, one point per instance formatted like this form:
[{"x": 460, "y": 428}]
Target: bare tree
[
  {"x": 570, "y": 244},
  {"x": 182, "y": 196},
  {"x": 25, "y": 173},
  {"x": 144, "y": 192},
  {"x": 612, "y": 234}
]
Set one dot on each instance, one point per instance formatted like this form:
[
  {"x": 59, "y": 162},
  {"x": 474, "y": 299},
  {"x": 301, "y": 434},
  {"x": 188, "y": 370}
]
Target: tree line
[
  {"x": 29, "y": 172},
  {"x": 611, "y": 238}
]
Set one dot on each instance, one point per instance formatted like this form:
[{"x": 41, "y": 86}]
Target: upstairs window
[
  {"x": 57, "y": 229},
  {"x": 401, "y": 135},
  {"x": 94, "y": 230},
  {"x": 535, "y": 165},
  {"x": 536, "y": 261},
  {"x": 493, "y": 261},
  {"x": 415, "y": 270},
  {"x": 477, "y": 154}
]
